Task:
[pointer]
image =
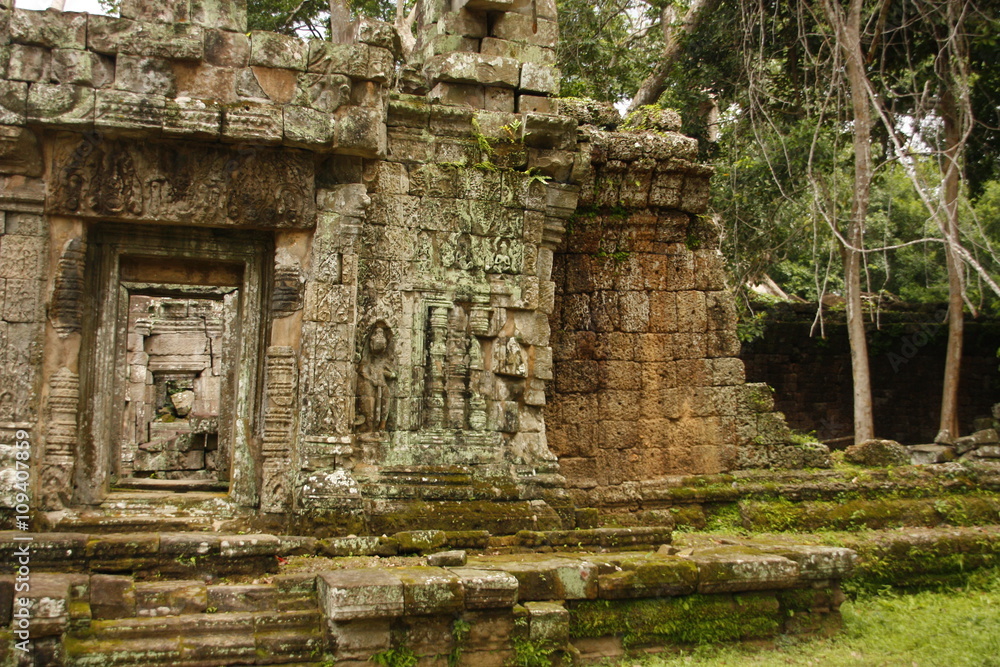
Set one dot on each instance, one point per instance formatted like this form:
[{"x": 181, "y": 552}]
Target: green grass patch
[{"x": 945, "y": 627}]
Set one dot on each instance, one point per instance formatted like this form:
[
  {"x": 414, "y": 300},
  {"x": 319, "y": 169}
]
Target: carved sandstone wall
[{"x": 447, "y": 296}]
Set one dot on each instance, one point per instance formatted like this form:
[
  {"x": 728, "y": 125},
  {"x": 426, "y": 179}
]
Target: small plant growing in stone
[
  {"x": 528, "y": 653},
  {"x": 402, "y": 656},
  {"x": 459, "y": 635}
]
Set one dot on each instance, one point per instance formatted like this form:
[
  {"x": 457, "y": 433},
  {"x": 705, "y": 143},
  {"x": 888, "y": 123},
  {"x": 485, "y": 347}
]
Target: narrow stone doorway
[
  {"x": 178, "y": 369},
  {"x": 172, "y": 360}
]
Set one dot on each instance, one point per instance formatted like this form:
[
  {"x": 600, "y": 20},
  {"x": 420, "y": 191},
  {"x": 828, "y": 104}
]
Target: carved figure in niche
[
  {"x": 463, "y": 253},
  {"x": 376, "y": 379}
]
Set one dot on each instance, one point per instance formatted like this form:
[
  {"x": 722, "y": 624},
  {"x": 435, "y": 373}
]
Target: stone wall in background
[
  {"x": 451, "y": 299},
  {"x": 811, "y": 376}
]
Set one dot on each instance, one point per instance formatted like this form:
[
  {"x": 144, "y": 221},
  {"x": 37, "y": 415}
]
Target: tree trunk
[
  {"x": 341, "y": 26},
  {"x": 673, "y": 38},
  {"x": 950, "y": 114},
  {"x": 848, "y": 33}
]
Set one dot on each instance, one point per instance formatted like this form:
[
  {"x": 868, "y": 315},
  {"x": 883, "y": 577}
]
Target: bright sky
[{"x": 91, "y": 6}]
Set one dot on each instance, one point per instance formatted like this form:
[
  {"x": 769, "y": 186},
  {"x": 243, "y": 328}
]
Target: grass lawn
[{"x": 947, "y": 628}]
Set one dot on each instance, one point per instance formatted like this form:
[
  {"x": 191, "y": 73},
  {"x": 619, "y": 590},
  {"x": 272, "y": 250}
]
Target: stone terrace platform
[{"x": 211, "y": 599}]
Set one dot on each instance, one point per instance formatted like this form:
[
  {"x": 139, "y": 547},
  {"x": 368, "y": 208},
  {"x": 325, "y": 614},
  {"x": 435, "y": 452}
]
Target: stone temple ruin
[{"x": 303, "y": 286}]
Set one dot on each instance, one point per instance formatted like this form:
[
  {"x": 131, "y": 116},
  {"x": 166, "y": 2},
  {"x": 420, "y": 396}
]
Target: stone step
[
  {"x": 135, "y": 524},
  {"x": 193, "y": 640}
]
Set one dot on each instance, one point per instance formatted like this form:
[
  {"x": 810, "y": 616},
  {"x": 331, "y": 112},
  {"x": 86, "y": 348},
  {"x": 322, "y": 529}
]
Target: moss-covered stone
[{"x": 694, "y": 619}]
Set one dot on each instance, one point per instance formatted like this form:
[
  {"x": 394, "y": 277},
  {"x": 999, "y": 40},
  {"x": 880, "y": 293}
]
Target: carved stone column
[{"x": 279, "y": 417}]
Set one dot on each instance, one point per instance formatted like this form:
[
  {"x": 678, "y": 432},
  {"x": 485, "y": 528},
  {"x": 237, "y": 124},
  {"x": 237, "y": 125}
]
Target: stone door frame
[{"x": 104, "y": 339}]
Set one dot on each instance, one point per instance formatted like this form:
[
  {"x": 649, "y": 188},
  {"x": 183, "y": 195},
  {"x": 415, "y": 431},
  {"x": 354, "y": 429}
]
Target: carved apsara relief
[{"x": 376, "y": 379}]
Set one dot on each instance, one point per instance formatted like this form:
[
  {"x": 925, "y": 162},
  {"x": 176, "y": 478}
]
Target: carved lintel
[
  {"x": 66, "y": 312},
  {"x": 183, "y": 184}
]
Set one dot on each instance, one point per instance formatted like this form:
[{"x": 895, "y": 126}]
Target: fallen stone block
[
  {"x": 447, "y": 559},
  {"x": 546, "y": 578},
  {"x": 927, "y": 454}
]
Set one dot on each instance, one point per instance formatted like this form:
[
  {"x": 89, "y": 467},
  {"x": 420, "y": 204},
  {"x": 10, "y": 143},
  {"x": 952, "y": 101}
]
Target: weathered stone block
[
  {"x": 112, "y": 596},
  {"x": 447, "y": 559},
  {"x": 551, "y": 132},
  {"x": 348, "y": 595},
  {"x": 540, "y": 79},
  {"x": 521, "y": 28},
  {"x": 177, "y": 41},
  {"x": 253, "y": 121},
  {"x": 116, "y": 109},
  {"x": 81, "y": 67},
  {"x": 524, "y": 53},
  {"x": 816, "y": 563},
  {"x": 430, "y": 591},
  {"x": 241, "y": 546},
  {"x": 20, "y": 152},
  {"x": 307, "y": 127},
  {"x": 877, "y": 453},
  {"x": 242, "y": 598},
  {"x": 459, "y": 94},
  {"x": 474, "y": 68},
  {"x": 326, "y": 57},
  {"x": 61, "y": 104},
  {"x": 360, "y": 639},
  {"x": 170, "y": 598},
  {"x": 547, "y": 578},
  {"x": 192, "y": 118},
  {"x": 487, "y": 589},
  {"x": 323, "y": 92},
  {"x": 929, "y": 454},
  {"x": 51, "y": 29},
  {"x": 224, "y": 14},
  {"x": 13, "y": 102},
  {"x": 361, "y": 132},
  {"x": 28, "y": 63},
  {"x": 548, "y": 622},
  {"x": 733, "y": 569},
  {"x": 149, "y": 76},
  {"x": 227, "y": 49},
  {"x": 270, "y": 49},
  {"x": 650, "y": 577},
  {"x": 381, "y": 65},
  {"x": 416, "y": 541}
]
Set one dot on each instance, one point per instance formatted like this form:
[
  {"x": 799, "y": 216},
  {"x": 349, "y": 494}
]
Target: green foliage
[
  {"x": 532, "y": 653},
  {"x": 940, "y": 628},
  {"x": 751, "y": 326},
  {"x": 460, "y": 631},
  {"x": 402, "y": 656}
]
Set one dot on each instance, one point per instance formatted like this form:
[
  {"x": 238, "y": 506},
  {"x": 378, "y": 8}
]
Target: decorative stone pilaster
[
  {"x": 279, "y": 417},
  {"x": 66, "y": 311},
  {"x": 60, "y": 440}
]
